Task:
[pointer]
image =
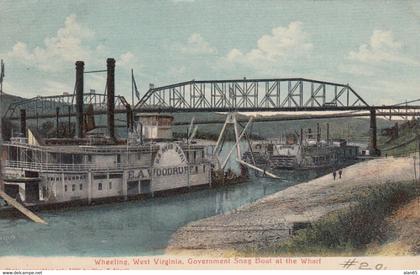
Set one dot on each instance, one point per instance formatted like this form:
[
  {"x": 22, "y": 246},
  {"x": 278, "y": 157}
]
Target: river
[{"x": 131, "y": 228}]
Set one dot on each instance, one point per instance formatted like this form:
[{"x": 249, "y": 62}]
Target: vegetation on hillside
[
  {"x": 407, "y": 141},
  {"x": 348, "y": 231}
]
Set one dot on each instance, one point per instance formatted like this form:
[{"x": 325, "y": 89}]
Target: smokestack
[
  {"x": 57, "y": 114},
  {"x": 69, "y": 117},
  {"x": 301, "y": 136},
  {"x": 23, "y": 122},
  {"x": 318, "y": 133},
  {"x": 110, "y": 87},
  {"x": 129, "y": 117},
  {"x": 328, "y": 132},
  {"x": 80, "y": 67}
]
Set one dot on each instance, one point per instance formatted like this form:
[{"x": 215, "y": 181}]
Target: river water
[{"x": 131, "y": 228}]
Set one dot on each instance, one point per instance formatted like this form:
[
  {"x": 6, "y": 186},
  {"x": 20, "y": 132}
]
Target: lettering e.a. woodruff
[{"x": 158, "y": 172}]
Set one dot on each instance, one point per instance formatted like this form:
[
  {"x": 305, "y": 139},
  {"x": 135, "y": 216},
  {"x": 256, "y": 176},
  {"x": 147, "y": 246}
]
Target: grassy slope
[
  {"x": 405, "y": 144},
  {"x": 351, "y": 231}
]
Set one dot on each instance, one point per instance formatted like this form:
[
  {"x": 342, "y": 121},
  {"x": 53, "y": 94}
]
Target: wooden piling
[{"x": 21, "y": 208}]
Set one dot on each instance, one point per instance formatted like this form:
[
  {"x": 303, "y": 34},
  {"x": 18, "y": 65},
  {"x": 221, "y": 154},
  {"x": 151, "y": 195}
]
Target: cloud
[
  {"x": 65, "y": 46},
  {"x": 197, "y": 45},
  {"x": 277, "y": 48},
  {"x": 127, "y": 59},
  {"x": 382, "y": 47}
]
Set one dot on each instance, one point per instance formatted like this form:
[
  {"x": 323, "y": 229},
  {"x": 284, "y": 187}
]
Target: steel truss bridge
[
  {"x": 250, "y": 95},
  {"x": 46, "y": 106},
  {"x": 242, "y": 95}
]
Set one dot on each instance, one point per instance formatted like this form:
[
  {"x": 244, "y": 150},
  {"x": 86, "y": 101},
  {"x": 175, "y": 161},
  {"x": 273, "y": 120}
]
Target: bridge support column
[{"x": 373, "y": 149}]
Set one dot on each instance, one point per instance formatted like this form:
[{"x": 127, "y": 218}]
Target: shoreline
[{"x": 257, "y": 225}]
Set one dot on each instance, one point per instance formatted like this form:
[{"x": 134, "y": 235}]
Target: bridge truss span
[
  {"x": 250, "y": 94},
  {"x": 45, "y": 106}
]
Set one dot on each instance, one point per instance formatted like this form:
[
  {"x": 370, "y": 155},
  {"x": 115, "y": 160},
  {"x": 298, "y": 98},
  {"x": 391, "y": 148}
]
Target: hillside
[
  {"x": 6, "y": 100},
  {"x": 403, "y": 143},
  {"x": 356, "y": 129}
]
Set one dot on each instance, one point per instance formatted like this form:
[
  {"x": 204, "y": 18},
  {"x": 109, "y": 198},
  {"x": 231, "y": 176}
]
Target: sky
[{"x": 371, "y": 45}]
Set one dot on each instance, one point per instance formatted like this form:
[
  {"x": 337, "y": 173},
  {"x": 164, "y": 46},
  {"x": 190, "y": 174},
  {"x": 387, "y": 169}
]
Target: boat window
[
  {"x": 204, "y": 168},
  {"x": 110, "y": 185},
  {"x": 115, "y": 176},
  {"x": 57, "y": 179},
  {"x": 73, "y": 187},
  {"x": 195, "y": 155},
  {"x": 81, "y": 186},
  {"x": 202, "y": 154},
  {"x": 118, "y": 158},
  {"x": 196, "y": 168},
  {"x": 99, "y": 186},
  {"x": 65, "y": 188}
]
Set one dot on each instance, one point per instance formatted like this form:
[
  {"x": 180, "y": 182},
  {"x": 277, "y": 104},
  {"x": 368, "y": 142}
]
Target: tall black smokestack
[
  {"x": 80, "y": 67},
  {"x": 318, "y": 133},
  {"x": 110, "y": 87},
  {"x": 23, "y": 122},
  {"x": 328, "y": 132}
]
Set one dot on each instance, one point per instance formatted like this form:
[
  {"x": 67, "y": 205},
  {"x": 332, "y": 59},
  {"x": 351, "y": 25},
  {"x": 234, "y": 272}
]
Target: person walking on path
[
  {"x": 340, "y": 172},
  {"x": 334, "y": 174}
]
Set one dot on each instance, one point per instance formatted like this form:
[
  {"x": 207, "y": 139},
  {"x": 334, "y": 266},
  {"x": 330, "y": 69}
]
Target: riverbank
[
  {"x": 403, "y": 236},
  {"x": 270, "y": 220}
]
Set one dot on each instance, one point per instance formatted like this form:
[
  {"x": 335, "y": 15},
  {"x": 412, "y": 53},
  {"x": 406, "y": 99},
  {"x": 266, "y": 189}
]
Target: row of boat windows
[
  {"x": 139, "y": 155},
  {"x": 82, "y": 177},
  {"x": 67, "y": 178},
  {"x": 188, "y": 155},
  {"x": 99, "y": 186}
]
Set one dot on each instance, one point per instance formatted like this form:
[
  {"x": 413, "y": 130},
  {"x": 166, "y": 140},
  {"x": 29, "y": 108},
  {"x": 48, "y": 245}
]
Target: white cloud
[
  {"x": 283, "y": 44},
  {"x": 197, "y": 45},
  {"x": 66, "y": 46},
  {"x": 127, "y": 60},
  {"x": 382, "y": 47}
]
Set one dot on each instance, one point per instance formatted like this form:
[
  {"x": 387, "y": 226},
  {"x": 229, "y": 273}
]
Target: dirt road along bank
[{"x": 269, "y": 219}]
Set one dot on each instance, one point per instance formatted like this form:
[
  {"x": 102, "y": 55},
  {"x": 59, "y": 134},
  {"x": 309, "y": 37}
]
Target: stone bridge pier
[{"x": 373, "y": 147}]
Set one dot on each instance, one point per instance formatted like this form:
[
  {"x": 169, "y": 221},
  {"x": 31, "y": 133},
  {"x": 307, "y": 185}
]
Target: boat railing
[{"x": 56, "y": 167}]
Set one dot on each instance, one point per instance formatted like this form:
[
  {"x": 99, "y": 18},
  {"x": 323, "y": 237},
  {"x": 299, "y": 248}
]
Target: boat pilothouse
[{"x": 39, "y": 171}]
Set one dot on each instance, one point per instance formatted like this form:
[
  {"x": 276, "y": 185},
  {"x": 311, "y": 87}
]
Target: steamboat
[
  {"x": 302, "y": 151},
  {"x": 94, "y": 167}
]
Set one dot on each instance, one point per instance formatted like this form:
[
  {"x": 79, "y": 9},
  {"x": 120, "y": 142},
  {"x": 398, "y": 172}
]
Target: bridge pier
[{"x": 373, "y": 148}]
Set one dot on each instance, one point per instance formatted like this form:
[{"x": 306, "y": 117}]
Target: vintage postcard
[{"x": 209, "y": 134}]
